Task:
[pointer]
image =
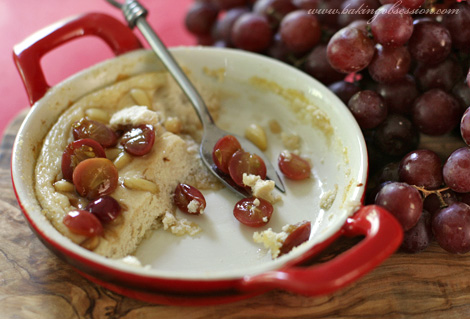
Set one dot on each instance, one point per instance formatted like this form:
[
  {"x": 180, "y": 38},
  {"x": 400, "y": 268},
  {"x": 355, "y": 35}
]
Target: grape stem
[{"x": 425, "y": 193}]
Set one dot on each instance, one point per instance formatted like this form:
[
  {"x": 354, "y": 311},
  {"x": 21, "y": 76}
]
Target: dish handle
[
  {"x": 383, "y": 234},
  {"x": 28, "y": 53}
]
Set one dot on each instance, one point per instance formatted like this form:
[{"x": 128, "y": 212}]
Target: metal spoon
[{"x": 135, "y": 15}]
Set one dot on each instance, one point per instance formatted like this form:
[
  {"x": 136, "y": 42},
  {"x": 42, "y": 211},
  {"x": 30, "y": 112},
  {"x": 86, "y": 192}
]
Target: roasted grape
[
  {"x": 293, "y": 166},
  {"x": 105, "y": 208},
  {"x": 253, "y": 212},
  {"x": 189, "y": 199}
]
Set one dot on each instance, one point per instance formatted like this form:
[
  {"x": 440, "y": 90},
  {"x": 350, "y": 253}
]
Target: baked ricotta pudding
[{"x": 147, "y": 134}]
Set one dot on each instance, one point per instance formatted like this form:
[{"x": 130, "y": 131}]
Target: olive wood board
[{"x": 34, "y": 283}]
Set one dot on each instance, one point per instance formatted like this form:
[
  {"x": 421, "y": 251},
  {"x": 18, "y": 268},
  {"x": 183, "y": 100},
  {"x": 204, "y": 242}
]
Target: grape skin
[
  {"x": 300, "y": 31},
  {"x": 403, "y": 201},
  {"x": 350, "y": 50},
  {"x": 436, "y": 112},
  {"x": 421, "y": 168},
  {"x": 465, "y": 126},
  {"x": 451, "y": 227},
  {"x": 368, "y": 109},
  {"x": 390, "y": 26},
  {"x": 456, "y": 170},
  {"x": 419, "y": 236},
  {"x": 430, "y": 42},
  {"x": 251, "y": 32},
  {"x": 389, "y": 65}
]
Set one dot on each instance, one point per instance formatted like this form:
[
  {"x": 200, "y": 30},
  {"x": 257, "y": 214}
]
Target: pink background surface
[{"x": 21, "y": 18}]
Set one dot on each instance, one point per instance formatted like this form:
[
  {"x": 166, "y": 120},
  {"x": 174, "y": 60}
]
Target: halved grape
[
  {"x": 95, "y": 177},
  {"x": 293, "y": 166},
  {"x": 82, "y": 222},
  {"x": 105, "y": 208},
  {"x": 189, "y": 199},
  {"x": 253, "y": 212},
  {"x": 223, "y": 151},
  {"x": 86, "y": 128},
  {"x": 78, "y": 151},
  {"x": 244, "y": 162},
  {"x": 296, "y": 237},
  {"x": 139, "y": 140}
]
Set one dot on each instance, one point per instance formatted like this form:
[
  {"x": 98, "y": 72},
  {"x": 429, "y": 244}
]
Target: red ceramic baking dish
[{"x": 222, "y": 264}]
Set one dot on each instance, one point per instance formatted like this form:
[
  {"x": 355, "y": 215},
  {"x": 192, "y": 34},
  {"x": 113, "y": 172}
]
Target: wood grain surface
[{"x": 34, "y": 283}]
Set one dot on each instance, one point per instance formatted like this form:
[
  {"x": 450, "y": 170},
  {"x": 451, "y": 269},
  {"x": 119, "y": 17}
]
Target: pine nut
[
  {"x": 140, "y": 97},
  {"x": 113, "y": 153},
  {"x": 122, "y": 160},
  {"x": 64, "y": 186},
  {"x": 274, "y": 126},
  {"x": 140, "y": 184},
  {"x": 173, "y": 125},
  {"x": 256, "y": 134},
  {"x": 97, "y": 115}
]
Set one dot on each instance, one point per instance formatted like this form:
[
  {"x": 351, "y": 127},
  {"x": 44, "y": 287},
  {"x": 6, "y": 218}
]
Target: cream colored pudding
[{"x": 146, "y": 183}]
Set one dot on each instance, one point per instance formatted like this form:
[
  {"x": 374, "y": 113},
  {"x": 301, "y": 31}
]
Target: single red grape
[
  {"x": 350, "y": 50},
  {"x": 223, "y": 151},
  {"x": 244, "y": 162},
  {"x": 403, "y": 201},
  {"x": 300, "y": 31},
  {"x": 451, "y": 227},
  {"x": 421, "y": 168},
  {"x": 251, "y": 32},
  {"x": 189, "y": 199},
  {"x": 105, "y": 208},
  {"x": 456, "y": 170},
  {"x": 253, "y": 212},
  {"x": 86, "y": 128},
  {"x": 391, "y": 25},
  {"x": 293, "y": 166},
  {"x": 139, "y": 140},
  {"x": 82, "y": 222},
  {"x": 78, "y": 151},
  {"x": 95, "y": 177},
  {"x": 368, "y": 109}
]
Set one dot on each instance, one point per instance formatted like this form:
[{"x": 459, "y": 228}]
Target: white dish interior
[{"x": 225, "y": 248}]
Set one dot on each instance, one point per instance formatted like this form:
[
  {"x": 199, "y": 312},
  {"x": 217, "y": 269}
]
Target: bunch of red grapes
[{"x": 401, "y": 67}]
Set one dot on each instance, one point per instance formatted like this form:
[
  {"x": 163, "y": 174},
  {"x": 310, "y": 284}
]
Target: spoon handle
[{"x": 135, "y": 15}]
